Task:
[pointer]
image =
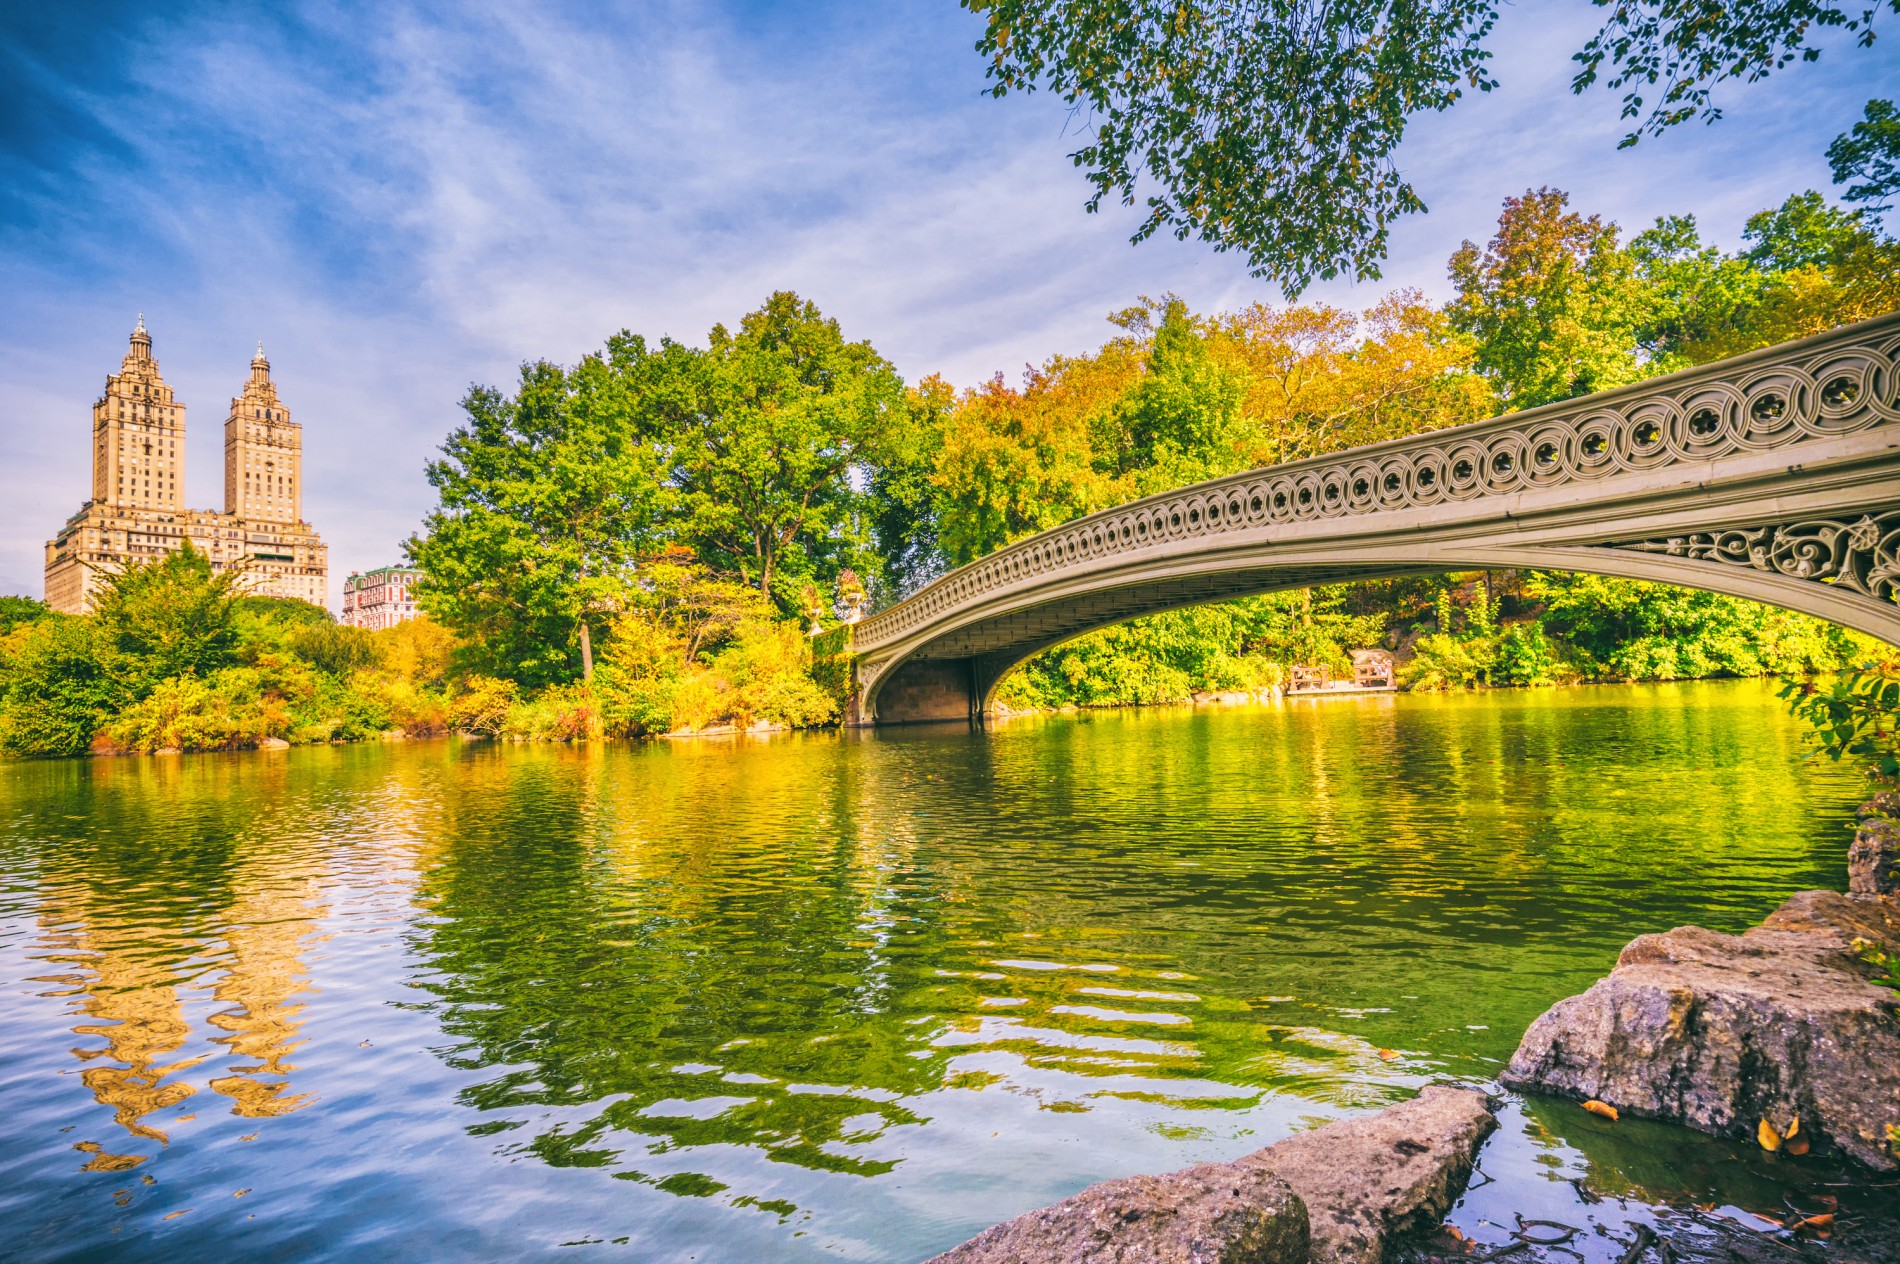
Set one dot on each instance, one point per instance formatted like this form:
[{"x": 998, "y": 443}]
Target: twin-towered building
[{"x": 137, "y": 510}]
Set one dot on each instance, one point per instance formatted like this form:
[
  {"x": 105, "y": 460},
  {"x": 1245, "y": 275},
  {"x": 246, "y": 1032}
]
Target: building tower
[
  {"x": 263, "y": 453},
  {"x": 138, "y": 436},
  {"x": 137, "y": 512}
]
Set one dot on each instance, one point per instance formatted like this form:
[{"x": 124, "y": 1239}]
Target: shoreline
[{"x": 1270, "y": 696}]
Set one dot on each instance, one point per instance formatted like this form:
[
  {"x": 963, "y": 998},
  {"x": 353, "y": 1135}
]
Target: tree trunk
[{"x": 587, "y": 653}]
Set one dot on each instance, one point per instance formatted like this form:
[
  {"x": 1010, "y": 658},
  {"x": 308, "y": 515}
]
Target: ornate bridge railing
[{"x": 1778, "y": 402}]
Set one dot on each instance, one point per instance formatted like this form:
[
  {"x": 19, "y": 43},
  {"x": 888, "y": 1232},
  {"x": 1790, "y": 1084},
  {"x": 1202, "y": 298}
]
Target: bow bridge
[{"x": 1773, "y": 476}]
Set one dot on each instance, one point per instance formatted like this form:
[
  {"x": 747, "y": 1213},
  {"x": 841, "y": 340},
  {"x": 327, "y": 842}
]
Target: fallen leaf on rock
[
  {"x": 1769, "y": 1138},
  {"x": 1795, "y": 1145},
  {"x": 1604, "y": 1109},
  {"x": 1823, "y": 1221},
  {"x": 1390, "y": 1055}
]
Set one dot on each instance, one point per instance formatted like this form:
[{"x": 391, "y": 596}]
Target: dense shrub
[
  {"x": 56, "y": 694},
  {"x": 190, "y": 713}
]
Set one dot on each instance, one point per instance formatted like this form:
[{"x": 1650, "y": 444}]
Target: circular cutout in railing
[{"x": 1840, "y": 392}]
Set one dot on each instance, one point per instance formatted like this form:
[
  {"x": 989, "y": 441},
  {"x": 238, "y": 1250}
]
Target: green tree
[
  {"x": 1698, "y": 294},
  {"x": 905, "y": 515},
  {"x": 546, "y": 497},
  {"x": 17, "y": 611},
  {"x": 1643, "y": 631},
  {"x": 1682, "y": 48},
  {"x": 772, "y": 431},
  {"x": 169, "y": 616},
  {"x": 1552, "y": 301},
  {"x": 1270, "y": 128},
  {"x": 54, "y": 692},
  {"x": 1179, "y": 422},
  {"x": 1870, "y": 153},
  {"x": 1803, "y": 232}
]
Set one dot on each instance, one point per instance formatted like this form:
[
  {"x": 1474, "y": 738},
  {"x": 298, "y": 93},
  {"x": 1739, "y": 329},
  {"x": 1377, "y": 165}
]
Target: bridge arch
[{"x": 1773, "y": 476}]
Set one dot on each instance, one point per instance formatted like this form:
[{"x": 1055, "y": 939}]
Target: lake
[{"x": 843, "y": 996}]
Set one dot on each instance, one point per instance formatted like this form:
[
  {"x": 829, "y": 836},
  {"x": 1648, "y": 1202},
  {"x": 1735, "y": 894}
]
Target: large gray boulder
[
  {"x": 1217, "y": 1213},
  {"x": 1336, "y": 1195},
  {"x": 1369, "y": 1181},
  {"x": 1722, "y": 1031}
]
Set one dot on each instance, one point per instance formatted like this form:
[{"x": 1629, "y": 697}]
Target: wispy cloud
[{"x": 401, "y": 199}]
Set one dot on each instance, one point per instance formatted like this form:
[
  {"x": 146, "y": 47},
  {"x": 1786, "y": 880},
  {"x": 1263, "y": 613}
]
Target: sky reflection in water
[{"x": 829, "y": 996}]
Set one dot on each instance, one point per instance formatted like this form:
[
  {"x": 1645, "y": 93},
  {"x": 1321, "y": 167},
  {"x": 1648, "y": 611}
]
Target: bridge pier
[{"x": 928, "y": 690}]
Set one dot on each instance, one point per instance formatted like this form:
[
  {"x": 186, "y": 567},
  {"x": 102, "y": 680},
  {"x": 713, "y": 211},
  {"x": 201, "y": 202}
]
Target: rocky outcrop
[
  {"x": 1371, "y": 1180},
  {"x": 1217, "y": 1213},
  {"x": 1720, "y": 1032},
  {"x": 1873, "y": 862},
  {"x": 1336, "y": 1195}
]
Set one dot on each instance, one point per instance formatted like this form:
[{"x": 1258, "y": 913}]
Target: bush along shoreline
[{"x": 175, "y": 658}]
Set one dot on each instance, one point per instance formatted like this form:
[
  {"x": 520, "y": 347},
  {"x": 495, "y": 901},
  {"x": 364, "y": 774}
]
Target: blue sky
[{"x": 400, "y": 199}]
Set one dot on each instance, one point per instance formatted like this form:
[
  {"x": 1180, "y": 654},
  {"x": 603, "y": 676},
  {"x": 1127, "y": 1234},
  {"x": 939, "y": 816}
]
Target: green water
[{"x": 836, "y": 996}]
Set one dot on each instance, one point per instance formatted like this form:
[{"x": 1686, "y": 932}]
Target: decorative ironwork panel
[{"x": 1862, "y": 554}]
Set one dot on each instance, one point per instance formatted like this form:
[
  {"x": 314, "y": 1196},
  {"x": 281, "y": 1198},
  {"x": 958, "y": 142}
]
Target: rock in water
[
  {"x": 1720, "y": 1032},
  {"x": 1873, "y": 862},
  {"x": 1217, "y": 1213},
  {"x": 1336, "y": 1195},
  {"x": 1369, "y": 1181}
]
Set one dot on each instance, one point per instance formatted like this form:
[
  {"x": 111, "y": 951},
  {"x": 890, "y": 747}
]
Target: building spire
[{"x": 141, "y": 341}]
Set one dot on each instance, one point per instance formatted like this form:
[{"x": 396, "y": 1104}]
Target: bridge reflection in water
[{"x": 1773, "y": 476}]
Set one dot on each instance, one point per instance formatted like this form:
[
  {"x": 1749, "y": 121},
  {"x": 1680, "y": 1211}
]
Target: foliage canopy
[{"x": 1271, "y": 127}]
